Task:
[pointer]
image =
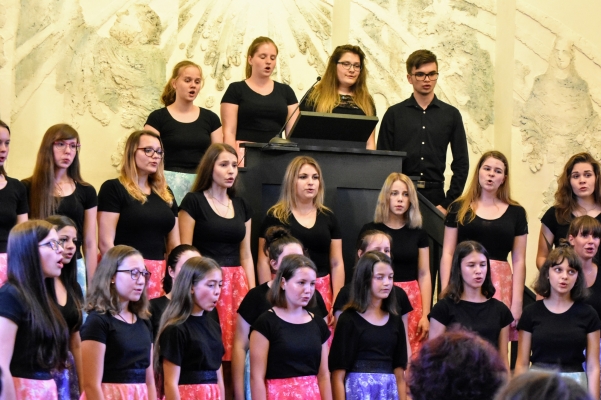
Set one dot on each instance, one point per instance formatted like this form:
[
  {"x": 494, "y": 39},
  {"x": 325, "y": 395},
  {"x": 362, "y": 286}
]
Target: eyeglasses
[
  {"x": 62, "y": 146},
  {"x": 348, "y": 65},
  {"x": 53, "y": 244},
  {"x": 135, "y": 273},
  {"x": 421, "y": 76},
  {"x": 65, "y": 240},
  {"x": 150, "y": 152}
]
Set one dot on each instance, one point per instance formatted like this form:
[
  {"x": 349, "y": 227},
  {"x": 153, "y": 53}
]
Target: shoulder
[
  {"x": 549, "y": 216},
  {"x": 112, "y": 184},
  {"x": 348, "y": 317},
  {"x": 158, "y": 115},
  {"x": 86, "y": 190},
  {"x": 208, "y": 114},
  {"x": 235, "y": 88},
  {"x": 10, "y": 296},
  {"x": 445, "y": 106}
]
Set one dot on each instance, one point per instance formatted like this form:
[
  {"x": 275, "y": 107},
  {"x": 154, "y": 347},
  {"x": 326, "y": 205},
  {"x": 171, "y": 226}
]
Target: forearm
[
  {"x": 91, "y": 257},
  {"x": 338, "y": 392},
  {"x": 592, "y": 374},
  {"x": 263, "y": 269},
  {"x": 518, "y": 283},
  {"x": 257, "y": 387},
  {"x": 249, "y": 270},
  {"x": 8, "y": 386},
  {"x": 424, "y": 281},
  {"x": 337, "y": 278},
  {"x": 238, "y": 361},
  {"x": 93, "y": 392},
  {"x": 401, "y": 383},
  {"x": 171, "y": 391},
  {"x": 445, "y": 271}
]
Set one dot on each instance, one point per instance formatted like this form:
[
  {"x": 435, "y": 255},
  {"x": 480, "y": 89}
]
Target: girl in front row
[
  {"x": 468, "y": 300},
  {"x": 368, "y": 357},
  {"x": 288, "y": 344},
  {"x": 557, "y": 329},
  {"x": 189, "y": 347},
  {"x": 116, "y": 338}
]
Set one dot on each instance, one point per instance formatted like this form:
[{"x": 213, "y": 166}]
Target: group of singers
[{"x": 148, "y": 288}]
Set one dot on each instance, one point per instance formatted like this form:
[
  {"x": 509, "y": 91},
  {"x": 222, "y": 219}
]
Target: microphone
[{"x": 277, "y": 139}]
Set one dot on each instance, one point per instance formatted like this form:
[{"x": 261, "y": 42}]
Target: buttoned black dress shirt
[{"x": 425, "y": 136}]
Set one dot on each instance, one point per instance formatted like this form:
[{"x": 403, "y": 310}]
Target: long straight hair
[
  {"x": 181, "y": 305},
  {"x": 324, "y": 97},
  {"x": 204, "y": 172},
  {"x": 49, "y": 329},
  {"x": 42, "y": 202},
  {"x": 69, "y": 272},
  {"x": 413, "y": 214},
  {"x": 129, "y": 171},
  {"x": 361, "y": 294},
  {"x": 5, "y": 126}
]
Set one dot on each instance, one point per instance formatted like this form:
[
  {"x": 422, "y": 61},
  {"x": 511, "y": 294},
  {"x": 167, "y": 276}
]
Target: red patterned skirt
[
  {"x": 324, "y": 286},
  {"x": 3, "y": 269},
  {"x": 502, "y": 279},
  {"x": 415, "y": 298},
  {"x": 122, "y": 391},
  {"x": 205, "y": 391},
  {"x": 297, "y": 388},
  {"x": 154, "y": 288},
  {"x": 235, "y": 287},
  {"x": 26, "y": 389}
]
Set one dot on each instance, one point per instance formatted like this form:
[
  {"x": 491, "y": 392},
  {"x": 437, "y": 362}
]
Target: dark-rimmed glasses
[
  {"x": 421, "y": 76},
  {"x": 62, "y": 146},
  {"x": 348, "y": 65},
  {"x": 150, "y": 152},
  {"x": 53, "y": 244},
  {"x": 135, "y": 273}
]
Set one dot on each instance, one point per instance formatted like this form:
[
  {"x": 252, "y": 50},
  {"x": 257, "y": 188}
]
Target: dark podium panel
[{"x": 353, "y": 179}]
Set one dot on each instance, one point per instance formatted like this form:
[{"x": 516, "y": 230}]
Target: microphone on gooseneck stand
[{"x": 277, "y": 139}]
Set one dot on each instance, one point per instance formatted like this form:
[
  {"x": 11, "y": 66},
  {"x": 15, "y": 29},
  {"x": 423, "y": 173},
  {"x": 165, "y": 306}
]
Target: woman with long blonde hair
[
  {"x": 486, "y": 213},
  {"x": 301, "y": 209},
  {"x": 138, "y": 209},
  {"x": 397, "y": 214},
  {"x": 578, "y": 193},
  {"x": 186, "y": 130},
  {"x": 343, "y": 87},
  {"x": 56, "y": 187}
]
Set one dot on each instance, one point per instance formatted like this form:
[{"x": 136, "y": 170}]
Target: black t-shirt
[
  {"x": 346, "y": 105},
  {"x": 406, "y": 243},
  {"x": 560, "y": 231},
  {"x": 259, "y": 117},
  {"x": 194, "y": 345},
  {"x": 214, "y": 236},
  {"x": 185, "y": 142},
  {"x": 127, "y": 345},
  {"x": 13, "y": 198},
  {"x": 355, "y": 339},
  {"x": 70, "y": 312},
  {"x": 74, "y": 206},
  {"x": 24, "y": 361},
  {"x": 559, "y": 339},
  {"x": 317, "y": 239},
  {"x": 487, "y": 319},
  {"x": 255, "y": 303},
  {"x": 496, "y": 235},
  {"x": 294, "y": 349},
  {"x": 403, "y": 304},
  {"x": 158, "y": 306},
  {"x": 594, "y": 298},
  {"x": 142, "y": 226}
]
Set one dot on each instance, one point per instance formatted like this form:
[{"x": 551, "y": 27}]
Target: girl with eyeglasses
[
  {"x": 186, "y": 130},
  {"x": 13, "y": 197},
  {"x": 138, "y": 209},
  {"x": 56, "y": 187},
  {"x": 33, "y": 334},
  {"x": 189, "y": 347},
  {"x": 69, "y": 298},
  {"x": 343, "y": 87},
  {"x": 116, "y": 338}
]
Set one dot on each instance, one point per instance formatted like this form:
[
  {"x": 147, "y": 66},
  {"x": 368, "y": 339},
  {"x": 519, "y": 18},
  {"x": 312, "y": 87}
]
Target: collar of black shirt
[{"x": 411, "y": 102}]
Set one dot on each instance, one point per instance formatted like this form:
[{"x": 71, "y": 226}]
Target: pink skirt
[
  {"x": 415, "y": 298},
  {"x": 3, "y": 269},
  {"x": 199, "y": 392},
  {"x": 26, "y": 389},
  {"x": 154, "y": 288},
  {"x": 122, "y": 391},
  {"x": 502, "y": 279},
  {"x": 235, "y": 287},
  {"x": 297, "y": 388},
  {"x": 324, "y": 286}
]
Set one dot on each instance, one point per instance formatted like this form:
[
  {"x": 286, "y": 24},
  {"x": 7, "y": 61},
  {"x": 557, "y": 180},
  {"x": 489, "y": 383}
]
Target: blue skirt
[
  {"x": 370, "y": 386},
  {"x": 67, "y": 383}
]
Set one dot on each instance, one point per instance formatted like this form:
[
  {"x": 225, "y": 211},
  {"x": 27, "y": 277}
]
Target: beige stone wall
[{"x": 101, "y": 66}]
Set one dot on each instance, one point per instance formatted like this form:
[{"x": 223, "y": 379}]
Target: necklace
[
  {"x": 589, "y": 210},
  {"x": 59, "y": 189},
  {"x": 227, "y": 206},
  {"x": 123, "y": 319}
]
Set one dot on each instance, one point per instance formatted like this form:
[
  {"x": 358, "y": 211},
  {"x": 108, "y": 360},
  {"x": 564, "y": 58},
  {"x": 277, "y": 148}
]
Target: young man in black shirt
[{"x": 424, "y": 126}]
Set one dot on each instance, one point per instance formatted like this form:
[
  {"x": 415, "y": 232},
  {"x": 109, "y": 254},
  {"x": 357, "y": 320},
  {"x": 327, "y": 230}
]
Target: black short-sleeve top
[
  {"x": 214, "y": 236},
  {"x": 141, "y": 226},
  {"x": 404, "y": 250},
  {"x": 487, "y": 319},
  {"x": 594, "y": 298},
  {"x": 24, "y": 361},
  {"x": 13, "y": 198},
  {"x": 259, "y": 117},
  {"x": 70, "y": 312},
  {"x": 195, "y": 345},
  {"x": 157, "y": 307},
  {"x": 559, "y": 339},
  {"x": 294, "y": 349},
  {"x": 403, "y": 303},
  {"x": 496, "y": 235},
  {"x": 128, "y": 346},
  {"x": 74, "y": 206},
  {"x": 317, "y": 239},
  {"x": 184, "y": 142},
  {"x": 356, "y": 340},
  {"x": 255, "y": 303}
]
